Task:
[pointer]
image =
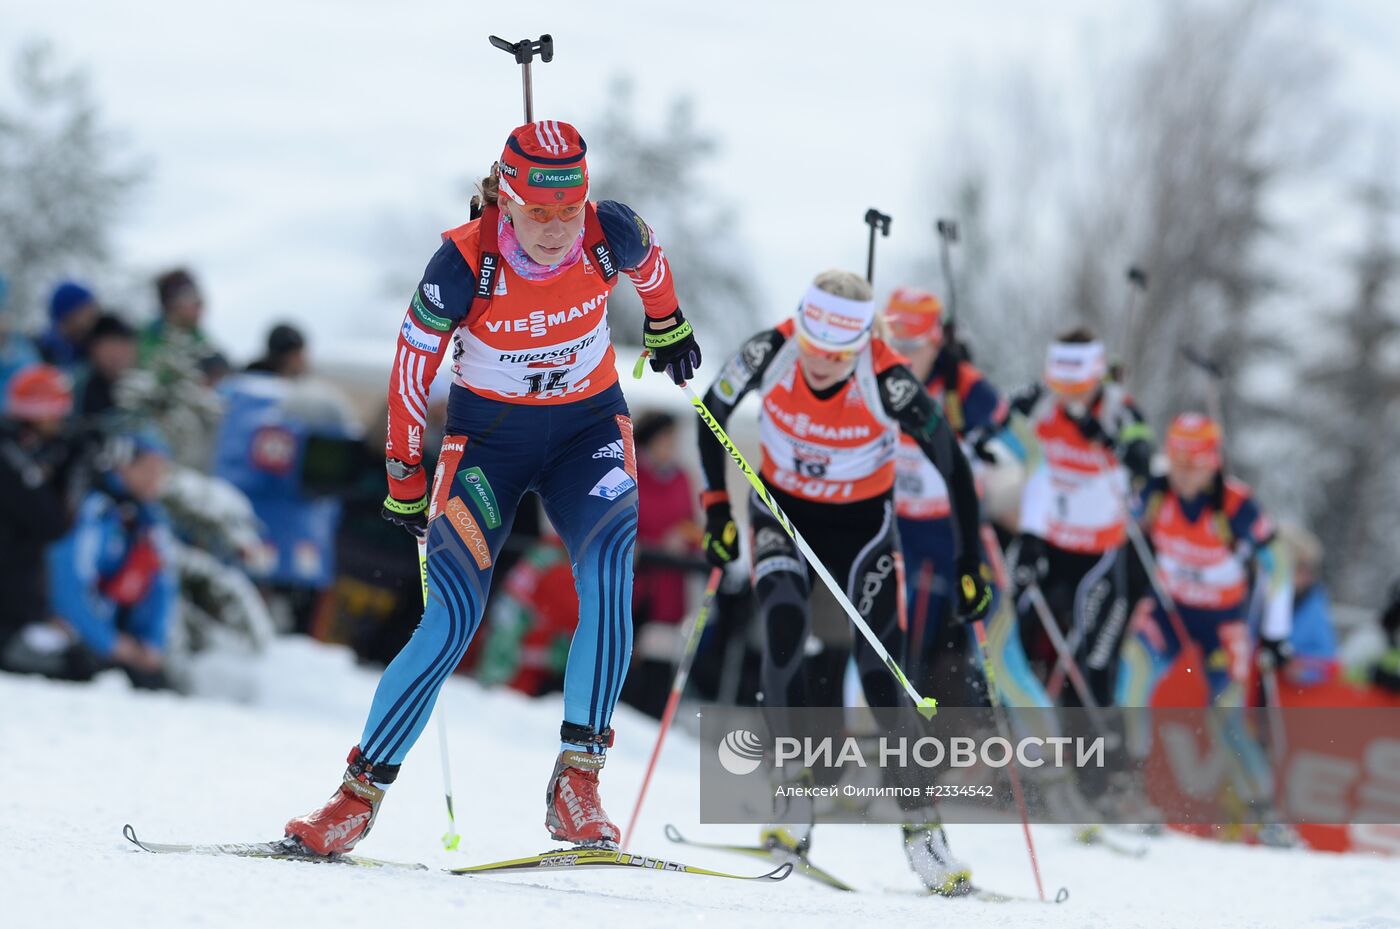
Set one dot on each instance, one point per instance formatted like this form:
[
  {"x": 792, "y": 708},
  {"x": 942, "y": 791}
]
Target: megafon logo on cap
[
  {"x": 556, "y": 177},
  {"x": 741, "y": 752}
]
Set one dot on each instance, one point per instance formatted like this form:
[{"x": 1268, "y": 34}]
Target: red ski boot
[
  {"x": 573, "y": 812},
  {"x": 347, "y": 817}
]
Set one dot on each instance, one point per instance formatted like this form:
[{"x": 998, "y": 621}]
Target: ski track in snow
[{"x": 86, "y": 759}]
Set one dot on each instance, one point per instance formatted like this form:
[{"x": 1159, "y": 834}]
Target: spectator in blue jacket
[
  {"x": 73, "y": 310},
  {"x": 112, "y": 578},
  {"x": 1313, "y": 641}
]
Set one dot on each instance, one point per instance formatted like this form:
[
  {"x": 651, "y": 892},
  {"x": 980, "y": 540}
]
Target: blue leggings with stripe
[{"x": 579, "y": 458}]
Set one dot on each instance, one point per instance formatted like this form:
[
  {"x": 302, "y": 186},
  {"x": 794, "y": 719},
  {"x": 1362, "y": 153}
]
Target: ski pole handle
[
  {"x": 947, "y": 237},
  {"x": 524, "y": 52},
  {"x": 876, "y": 221}
]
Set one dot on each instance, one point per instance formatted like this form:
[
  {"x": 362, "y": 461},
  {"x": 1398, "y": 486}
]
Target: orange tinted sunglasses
[
  {"x": 808, "y": 348},
  {"x": 542, "y": 213}
]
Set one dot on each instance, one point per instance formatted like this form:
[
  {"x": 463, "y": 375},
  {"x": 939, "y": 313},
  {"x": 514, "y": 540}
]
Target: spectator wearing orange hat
[{"x": 40, "y": 478}]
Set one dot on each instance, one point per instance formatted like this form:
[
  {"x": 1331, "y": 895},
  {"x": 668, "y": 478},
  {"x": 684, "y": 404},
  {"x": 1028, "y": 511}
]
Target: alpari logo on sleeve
[
  {"x": 614, "y": 484},
  {"x": 469, "y": 532},
  {"x": 426, "y": 316},
  {"x": 479, "y": 489},
  {"x": 485, "y": 276},
  {"x": 433, "y": 294},
  {"x": 417, "y": 338},
  {"x": 605, "y": 260}
]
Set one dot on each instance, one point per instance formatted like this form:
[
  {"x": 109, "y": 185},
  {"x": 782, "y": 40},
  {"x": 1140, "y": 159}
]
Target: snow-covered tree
[
  {"x": 1348, "y": 407},
  {"x": 64, "y": 179}
]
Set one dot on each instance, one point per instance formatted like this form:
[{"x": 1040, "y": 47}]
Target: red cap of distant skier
[
  {"x": 1194, "y": 439},
  {"x": 914, "y": 314},
  {"x": 543, "y": 162}
]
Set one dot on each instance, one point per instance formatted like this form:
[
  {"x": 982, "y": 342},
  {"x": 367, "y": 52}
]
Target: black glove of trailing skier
[
  {"x": 974, "y": 589},
  {"x": 672, "y": 347},
  {"x": 1032, "y": 562},
  {"x": 1274, "y": 653},
  {"x": 1093, "y": 430},
  {"x": 721, "y": 541}
]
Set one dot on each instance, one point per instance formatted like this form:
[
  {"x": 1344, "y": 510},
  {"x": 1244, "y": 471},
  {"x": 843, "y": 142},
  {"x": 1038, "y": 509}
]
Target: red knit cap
[
  {"x": 1194, "y": 439},
  {"x": 543, "y": 162},
  {"x": 37, "y": 392},
  {"x": 914, "y": 314}
]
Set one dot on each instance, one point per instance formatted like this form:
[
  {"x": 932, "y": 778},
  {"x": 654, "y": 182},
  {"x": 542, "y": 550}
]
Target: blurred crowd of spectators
[
  {"x": 149, "y": 492},
  {"x": 156, "y": 500}
]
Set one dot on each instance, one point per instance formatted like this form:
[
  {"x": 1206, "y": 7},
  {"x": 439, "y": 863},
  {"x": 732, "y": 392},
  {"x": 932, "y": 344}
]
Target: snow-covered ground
[{"x": 83, "y": 760}]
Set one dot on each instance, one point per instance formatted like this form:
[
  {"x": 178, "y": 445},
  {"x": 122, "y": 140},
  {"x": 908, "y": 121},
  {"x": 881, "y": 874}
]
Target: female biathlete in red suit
[
  {"x": 520, "y": 296},
  {"x": 835, "y": 400}
]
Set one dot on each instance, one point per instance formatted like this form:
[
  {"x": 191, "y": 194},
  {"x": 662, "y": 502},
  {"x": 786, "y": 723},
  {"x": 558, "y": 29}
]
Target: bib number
[{"x": 541, "y": 382}]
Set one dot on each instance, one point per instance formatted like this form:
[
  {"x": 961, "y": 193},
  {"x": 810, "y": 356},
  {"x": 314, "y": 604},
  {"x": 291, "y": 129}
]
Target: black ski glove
[
  {"x": 412, "y": 515},
  {"x": 1274, "y": 653},
  {"x": 1092, "y": 430},
  {"x": 721, "y": 541},
  {"x": 974, "y": 590},
  {"x": 1032, "y": 562},
  {"x": 672, "y": 347}
]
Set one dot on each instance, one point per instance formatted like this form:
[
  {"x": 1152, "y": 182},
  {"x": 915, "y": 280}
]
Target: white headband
[
  {"x": 1075, "y": 364},
  {"x": 834, "y": 323}
]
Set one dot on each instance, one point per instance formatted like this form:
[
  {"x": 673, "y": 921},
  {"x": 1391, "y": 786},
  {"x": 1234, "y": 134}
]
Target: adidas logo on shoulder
[{"x": 612, "y": 450}]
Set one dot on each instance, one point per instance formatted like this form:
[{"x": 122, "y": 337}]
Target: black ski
[{"x": 798, "y": 863}]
